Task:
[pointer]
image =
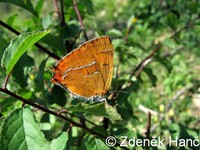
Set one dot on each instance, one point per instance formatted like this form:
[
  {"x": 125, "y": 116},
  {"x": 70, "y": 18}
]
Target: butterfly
[{"x": 86, "y": 72}]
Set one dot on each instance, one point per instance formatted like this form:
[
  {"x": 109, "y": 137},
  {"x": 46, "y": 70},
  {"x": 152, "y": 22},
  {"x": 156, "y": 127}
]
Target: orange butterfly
[{"x": 86, "y": 72}]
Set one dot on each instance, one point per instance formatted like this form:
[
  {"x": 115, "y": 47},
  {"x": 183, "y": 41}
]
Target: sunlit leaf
[
  {"x": 18, "y": 47},
  {"x": 60, "y": 142},
  {"x": 96, "y": 144},
  {"x": 20, "y": 131},
  {"x": 174, "y": 130},
  {"x": 99, "y": 109}
]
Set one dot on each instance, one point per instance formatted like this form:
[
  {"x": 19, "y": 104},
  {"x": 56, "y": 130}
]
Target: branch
[
  {"x": 57, "y": 9},
  {"x": 44, "y": 109},
  {"x": 80, "y": 19},
  {"x": 147, "y": 110}
]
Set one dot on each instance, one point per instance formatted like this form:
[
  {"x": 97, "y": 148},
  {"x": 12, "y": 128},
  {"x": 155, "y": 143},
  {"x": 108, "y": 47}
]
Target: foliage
[{"x": 156, "y": 69}]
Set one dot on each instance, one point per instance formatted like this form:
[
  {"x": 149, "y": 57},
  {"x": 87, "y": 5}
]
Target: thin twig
[
  {"x": 76, "y": 37},
  {"x": 6, "y": 80},
  {"x": 69, "y": 128},
  {"x": 147, "y": 110},
  {"x": 62, "y": 17},
  {"x": 148, "y": 130},
  {"x": 127, "y": 33},
  {"x": 57, "y": 9},
  {"x": 80, "y": 19},
  {"x": 105, "y": 123},
  {"x": 37, "y": 45},
  {"x": 142, "y": 63}
]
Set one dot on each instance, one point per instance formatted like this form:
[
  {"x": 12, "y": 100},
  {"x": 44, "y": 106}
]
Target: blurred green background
[{"x": 169, "y": 86}]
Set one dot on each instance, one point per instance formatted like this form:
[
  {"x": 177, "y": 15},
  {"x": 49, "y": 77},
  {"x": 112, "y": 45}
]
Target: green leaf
[
  {"x": 60, "y": 143},
  {"x": 115, "y": 32},
  {"x": 25, "y": 93},
  {"x": 99, "y": 109},
  {"x": 25, "y": 4},
  {"x": 58, "y": 96},
  {"x": 169, "y": 43},
  {"x": 123, "y": 112},
  {"x": 150, "y": 74},
  {"x": 7, "y": 104},
  {"x": 39, "y": 5},
  {"x": 69, "y": 31},
  {"x": 95, "y": 144},
  {"x": 18, "y": 47},
  {"x": 124, "y": 107},
  {"x": 193, "y": 6},
  {"x": 123, "y": 96},
  {"x": 118, "y": 43},
  {"x": 21, "y": 70},
  {"x": 3, "y": 45},
  {"x": 112, "y": 113},
  {"x": 122, "y": 130},
  {"x": 174, "y": 130},
  {"x": 166, "y": 63},
  {"x": 47, "y": 21},
  {"x": 12, "y": 19},
  {"x": 87, "y": 5},
  {"x": 172, "y": 20},
  {"x": 20, "y": 131},
  {"x": 54, "y": 41}
]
